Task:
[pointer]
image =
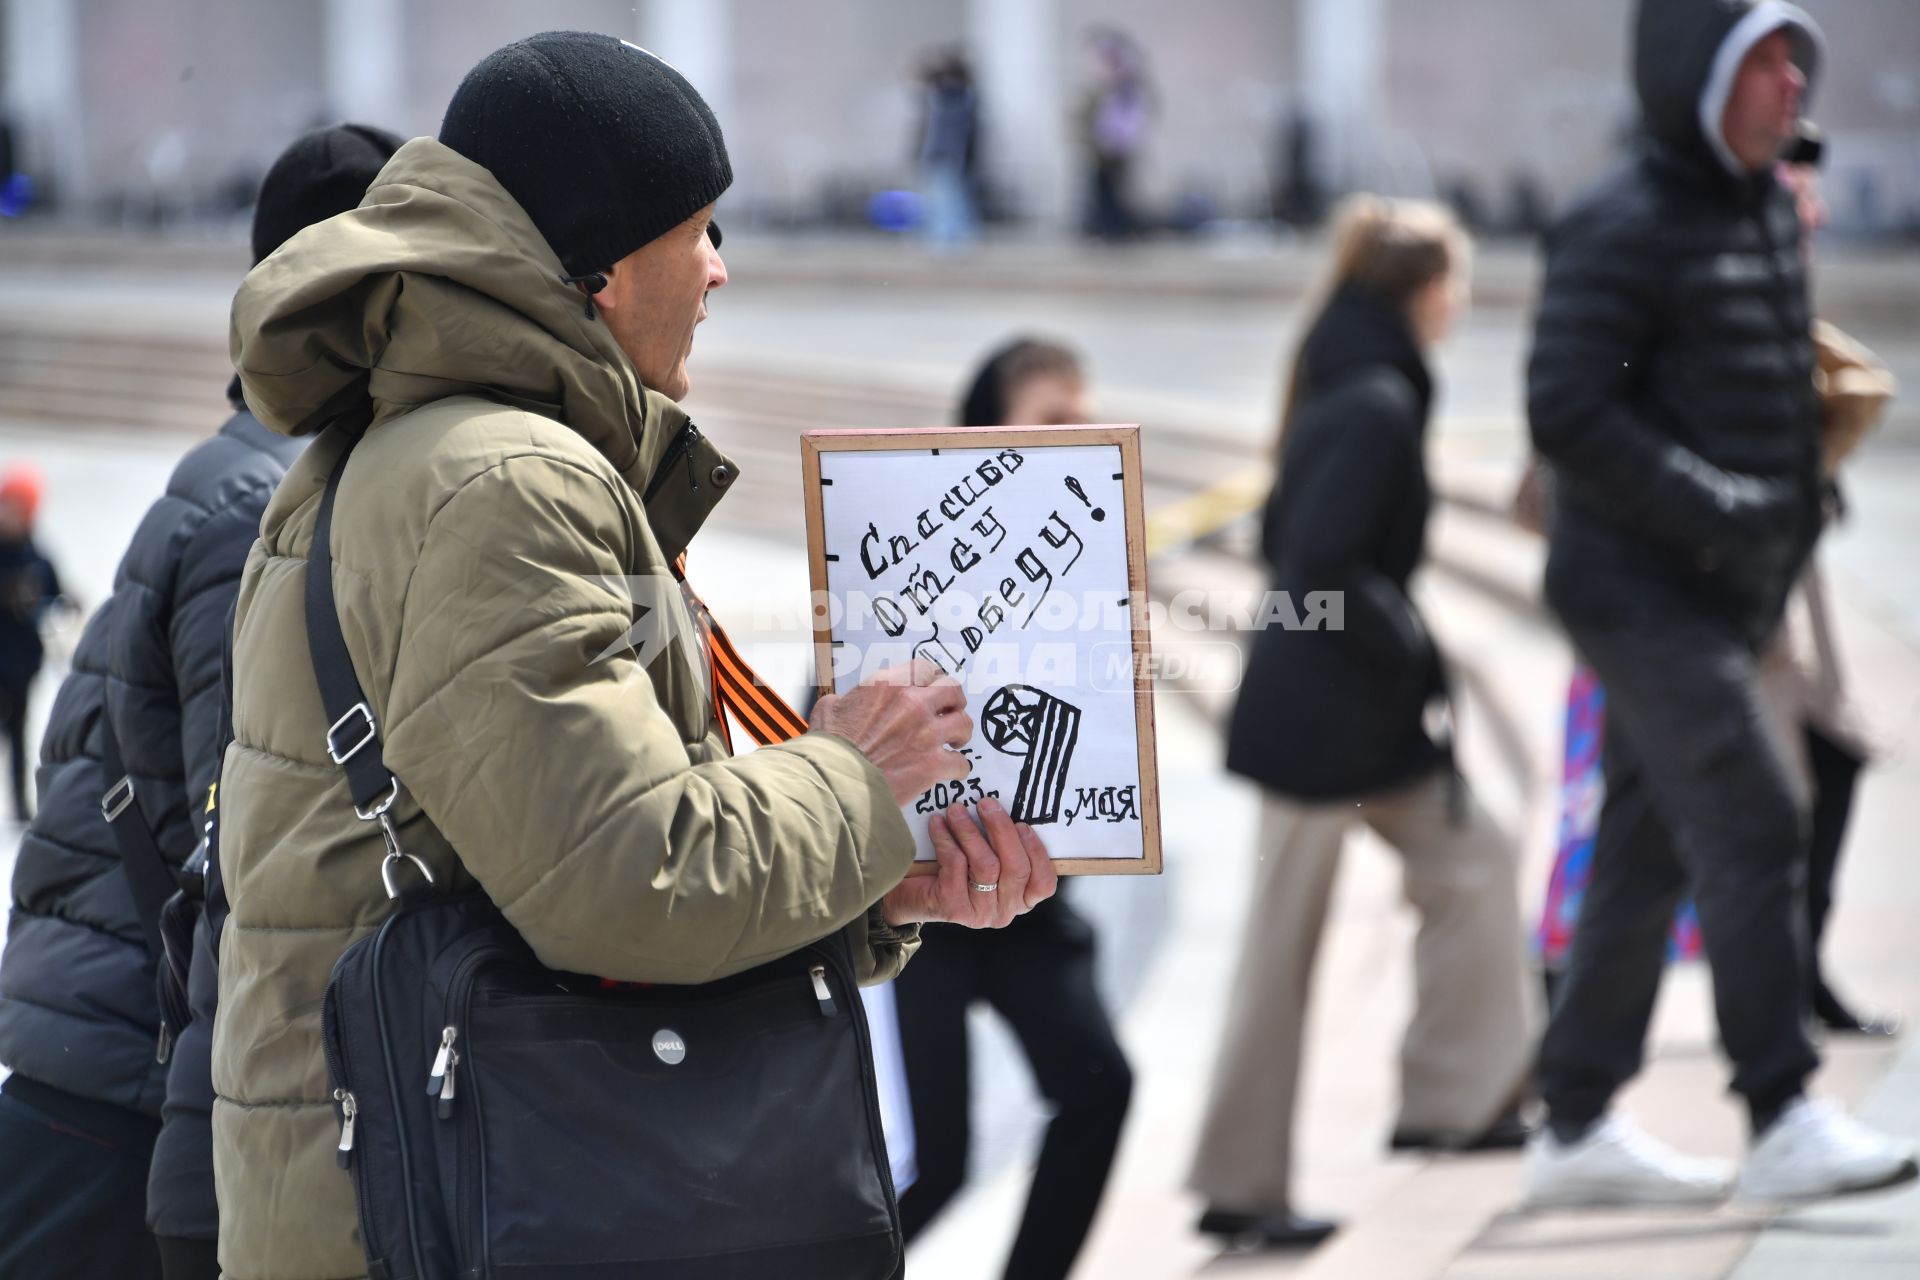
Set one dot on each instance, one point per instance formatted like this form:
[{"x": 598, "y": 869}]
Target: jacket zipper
[
  {"x": 1776, "y": 289},
  {"x": 680, "y": 447}
]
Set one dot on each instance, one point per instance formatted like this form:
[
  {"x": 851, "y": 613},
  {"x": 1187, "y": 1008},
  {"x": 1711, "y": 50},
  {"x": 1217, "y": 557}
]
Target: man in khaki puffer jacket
[{"x": 522, "y": 457}]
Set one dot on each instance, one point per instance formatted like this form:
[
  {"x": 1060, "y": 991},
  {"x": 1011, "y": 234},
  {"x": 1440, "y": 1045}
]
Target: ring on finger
[{"x": 986, "y": 888}]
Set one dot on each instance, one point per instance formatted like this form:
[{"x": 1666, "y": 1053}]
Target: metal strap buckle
[
  {"x": 118, "y": 797},
  {"x": 380, "y": 807},
  {"x": 395, "y": 854},
  {"x": 341, "y": 757}
]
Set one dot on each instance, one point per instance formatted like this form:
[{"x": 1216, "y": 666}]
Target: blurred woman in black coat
[{"x": 1348, "y": 724}]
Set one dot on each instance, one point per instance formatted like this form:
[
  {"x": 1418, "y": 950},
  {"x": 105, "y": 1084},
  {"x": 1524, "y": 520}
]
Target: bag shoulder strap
[
  {"x": 353, "y": 733},
  {"x": 148, "y": 874}
]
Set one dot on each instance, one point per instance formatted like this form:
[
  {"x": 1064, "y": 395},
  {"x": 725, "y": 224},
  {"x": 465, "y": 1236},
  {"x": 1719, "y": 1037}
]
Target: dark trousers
[
  {"x": 182, "y": 1258},
  {"x": 1038, "y": 975},
  {"x": 13, "y": 710},
  {"x": 1836, "y": 774},
  {"x": 1700, "y": 798},
  {"x": 1108, "y": 214},
  {"x": 73, "y": 1194}
]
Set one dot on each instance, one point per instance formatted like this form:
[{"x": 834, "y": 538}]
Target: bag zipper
[
  {"x": 821, "y": 992},
  {"x": 446, "y": 1065},
  {"x": 862, "y": 1035},
  {"x": 442, "y": 1075},
  {"x": 331, "y": 1034},
  {"x": 393, "y": 1090},
  {"x": 440, "y": 1079},
  {"x": 349, "y": 1111}
]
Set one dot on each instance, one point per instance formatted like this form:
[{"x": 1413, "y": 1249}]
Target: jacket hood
[
  {"x": 1358, "y": 331},
  {"x": 438, "y": 285},
  {"x": 1686, "y": 55}
]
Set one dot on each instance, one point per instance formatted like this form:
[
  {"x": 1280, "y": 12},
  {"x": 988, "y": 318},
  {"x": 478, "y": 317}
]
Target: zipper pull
[
  {"x": 446, "y": 1085},
  {"x": 163, "y": 1047},
  {"x": 441, "y": 1059},
  {"x": 349, "y": 1108},
  {"x": 820, "y": 992}
]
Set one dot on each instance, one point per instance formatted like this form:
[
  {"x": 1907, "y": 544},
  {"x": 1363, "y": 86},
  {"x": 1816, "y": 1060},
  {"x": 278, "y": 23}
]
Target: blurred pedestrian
[
  {"x": 29, "y": 586},
  {"x": 949, "y": 141},
  {"x": 1671, "y": 389},
  {"x": 118, "y": 1134},
  {"x": 1345, "y": 728},
  {"x": 1037, "y": 974},
  {"x": 1115, "y": 117},
  {"x": 16, "y": 190},
  {"x": 1801, "y": 670}
]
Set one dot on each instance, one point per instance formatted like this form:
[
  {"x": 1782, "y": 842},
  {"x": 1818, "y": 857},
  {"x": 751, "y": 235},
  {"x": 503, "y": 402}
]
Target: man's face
[
  {"x": 656, "y": 295},
  {"x": 1765, "y": 102}
]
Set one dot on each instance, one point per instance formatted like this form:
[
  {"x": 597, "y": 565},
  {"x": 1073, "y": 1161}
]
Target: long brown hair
[{"x": 1391, "y": 250}]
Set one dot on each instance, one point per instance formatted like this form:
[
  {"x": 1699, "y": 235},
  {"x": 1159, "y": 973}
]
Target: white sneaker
[
  {"x": 1617, "y": 1164},
  {"x": 1815, "y": 1150}
]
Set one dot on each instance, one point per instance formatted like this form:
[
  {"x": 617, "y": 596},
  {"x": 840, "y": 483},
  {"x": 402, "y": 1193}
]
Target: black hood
[
  {"x": 1685, "y": 56},
  {"x": 1359, "y": 331}
]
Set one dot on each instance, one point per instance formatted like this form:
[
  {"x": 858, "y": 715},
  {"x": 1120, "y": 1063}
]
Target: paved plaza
[{"x": 1189, "y": 342}]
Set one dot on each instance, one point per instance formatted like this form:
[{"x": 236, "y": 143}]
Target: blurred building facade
[{"x": 137, "y": 106}]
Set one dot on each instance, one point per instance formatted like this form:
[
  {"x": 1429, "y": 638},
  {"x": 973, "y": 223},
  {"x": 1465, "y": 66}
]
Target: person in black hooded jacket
[
  {"x": 1337, "y": 725},
  {"x": 93, "y": 1194},
  {"x": 1671, "y": 389}
]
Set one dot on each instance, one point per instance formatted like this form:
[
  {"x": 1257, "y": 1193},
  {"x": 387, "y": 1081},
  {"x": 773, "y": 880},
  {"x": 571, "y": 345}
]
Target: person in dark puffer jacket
[
  {"x": 1671, "y": 388},
  {"x": 78, "y": 1013}
]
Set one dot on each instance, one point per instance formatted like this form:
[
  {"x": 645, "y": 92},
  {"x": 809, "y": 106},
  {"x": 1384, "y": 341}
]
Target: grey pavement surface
[{"x": 1204, "y": 352}]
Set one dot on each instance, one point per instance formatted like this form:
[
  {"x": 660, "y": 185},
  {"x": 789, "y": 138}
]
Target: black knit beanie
[
  {"x": 323, "y": 173},
  {"x": 602, "y": 143}
]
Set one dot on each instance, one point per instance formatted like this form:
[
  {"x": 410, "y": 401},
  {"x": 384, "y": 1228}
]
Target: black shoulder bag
[{"x": 500, "y": 1118}]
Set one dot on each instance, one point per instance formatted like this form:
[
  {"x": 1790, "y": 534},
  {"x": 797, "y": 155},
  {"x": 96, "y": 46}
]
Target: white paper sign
[{"x": 1007, "y": 566}]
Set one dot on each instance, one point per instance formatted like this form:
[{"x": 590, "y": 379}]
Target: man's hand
[
  {"x": 986, "y": 877},
  {"x": 904, "y": 720}
]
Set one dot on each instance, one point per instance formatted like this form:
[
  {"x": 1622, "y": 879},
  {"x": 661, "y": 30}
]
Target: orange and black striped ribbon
[{"x": 737, "y": 689}]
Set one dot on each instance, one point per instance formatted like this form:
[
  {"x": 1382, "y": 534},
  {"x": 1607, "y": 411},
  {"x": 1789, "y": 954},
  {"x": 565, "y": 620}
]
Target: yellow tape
[{"x": 1180, "y": 524}]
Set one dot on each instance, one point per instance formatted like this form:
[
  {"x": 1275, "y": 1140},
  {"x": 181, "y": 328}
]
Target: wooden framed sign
[{"x": 1014, "y": 558}]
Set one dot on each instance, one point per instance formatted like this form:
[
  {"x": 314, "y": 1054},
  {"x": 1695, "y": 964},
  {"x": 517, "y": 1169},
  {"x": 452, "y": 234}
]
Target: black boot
[
  {"x": 1508, "y": 1132},
  {"x": 1265, "y": 1230}
]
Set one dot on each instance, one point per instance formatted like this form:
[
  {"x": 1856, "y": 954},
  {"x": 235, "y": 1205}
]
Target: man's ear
[
  {"x": 588, "y": 283},
  {"x": 617, "y": 281}
]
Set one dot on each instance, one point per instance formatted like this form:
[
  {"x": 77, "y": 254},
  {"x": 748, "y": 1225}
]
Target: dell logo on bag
[{"x": 669, "y": 1047}]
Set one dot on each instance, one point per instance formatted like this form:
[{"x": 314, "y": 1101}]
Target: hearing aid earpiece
[{"x": 590, "y": 282}]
